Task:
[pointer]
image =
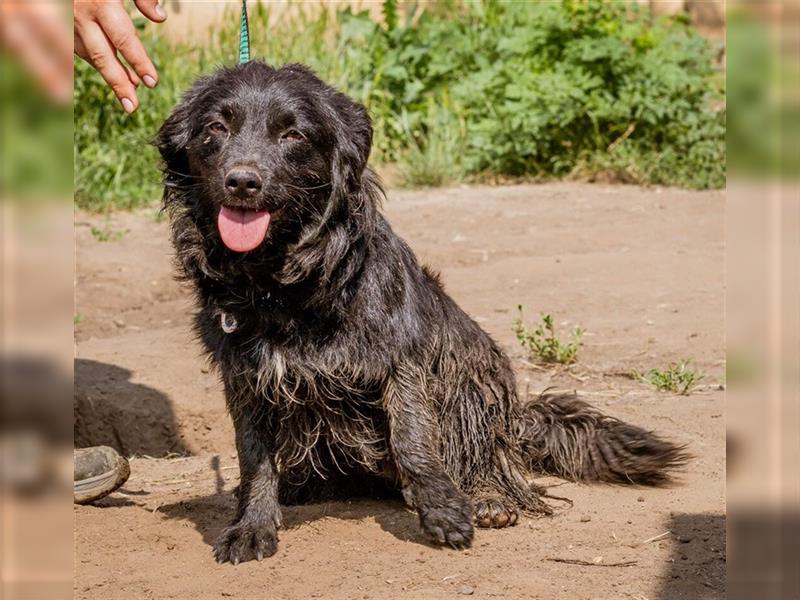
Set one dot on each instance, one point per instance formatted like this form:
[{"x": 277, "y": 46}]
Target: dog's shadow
[{"x": 212, "y": 513}]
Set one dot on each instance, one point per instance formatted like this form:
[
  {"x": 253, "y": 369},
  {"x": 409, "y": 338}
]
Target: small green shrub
[
  {"x": 107, "y": 233},
  {"x": 679, "y": 377},
  {"x": 543, "y": 344}
]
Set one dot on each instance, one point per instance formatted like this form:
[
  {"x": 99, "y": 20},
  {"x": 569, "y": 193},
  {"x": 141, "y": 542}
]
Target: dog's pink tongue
[{"x": 242, "y": 230}]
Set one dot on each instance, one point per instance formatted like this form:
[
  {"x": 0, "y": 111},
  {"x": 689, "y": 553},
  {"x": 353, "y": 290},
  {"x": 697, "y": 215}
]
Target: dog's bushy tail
[{"x": 564, "y": 436}]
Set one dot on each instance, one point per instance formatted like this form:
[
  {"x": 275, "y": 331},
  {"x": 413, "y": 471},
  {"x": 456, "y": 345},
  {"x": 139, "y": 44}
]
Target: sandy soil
[{"x": 640, "y": 270}]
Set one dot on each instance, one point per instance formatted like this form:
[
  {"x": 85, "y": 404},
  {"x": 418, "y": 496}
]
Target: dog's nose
[{"x": 244, "y": 182}]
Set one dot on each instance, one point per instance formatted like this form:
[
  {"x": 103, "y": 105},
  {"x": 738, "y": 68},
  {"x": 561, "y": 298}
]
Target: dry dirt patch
[{"x": 640, "y": 270}]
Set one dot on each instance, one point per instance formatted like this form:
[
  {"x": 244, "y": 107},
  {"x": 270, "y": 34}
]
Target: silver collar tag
[{"x": 228, "y": 322}]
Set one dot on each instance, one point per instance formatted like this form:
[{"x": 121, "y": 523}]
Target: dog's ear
[
  {"x": 350, "y": 213},
  {"x": 352, "y": 144},
  {"x": 176, "y": 132}
]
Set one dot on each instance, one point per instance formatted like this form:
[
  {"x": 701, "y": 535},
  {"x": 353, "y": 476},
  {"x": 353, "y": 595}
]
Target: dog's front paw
[
  {"x": 450, "y": 523},
  {"x": 246, "y": 540}
]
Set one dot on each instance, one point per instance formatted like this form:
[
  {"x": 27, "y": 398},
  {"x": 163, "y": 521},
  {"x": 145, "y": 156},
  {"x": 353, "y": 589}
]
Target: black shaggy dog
[{"x": 347, "y": 368}]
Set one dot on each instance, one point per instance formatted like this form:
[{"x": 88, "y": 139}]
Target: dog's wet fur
[{"x": 350, "y": 371}]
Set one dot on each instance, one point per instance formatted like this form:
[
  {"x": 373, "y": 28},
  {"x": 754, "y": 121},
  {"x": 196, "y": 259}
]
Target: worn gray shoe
[{"x": 99, "y": 470}]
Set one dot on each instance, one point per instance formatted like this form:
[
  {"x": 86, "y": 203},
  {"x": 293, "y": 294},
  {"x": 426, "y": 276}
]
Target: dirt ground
[{"x": 641, "y": 270}]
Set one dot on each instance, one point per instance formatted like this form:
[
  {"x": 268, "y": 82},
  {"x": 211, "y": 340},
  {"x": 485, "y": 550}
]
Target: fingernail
[
  {"x": 127, "y": 105},
  {"x": 149, "y": 81},
  {"x": 160, "y": 12}
]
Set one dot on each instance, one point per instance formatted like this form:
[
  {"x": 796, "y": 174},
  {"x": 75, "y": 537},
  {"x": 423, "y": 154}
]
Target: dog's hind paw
[
  {"x": 450, "y": 524},
  {"x": 245, "y": 541},
  {"x": 493, "y": 511}
]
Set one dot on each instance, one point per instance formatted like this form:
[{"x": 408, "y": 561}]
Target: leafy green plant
[
  {"x": 679, "y": 377},
  {"x": 570, "y": 88},
  {"x": 543, "y": 344},
  {"x": 107, "y": 233}
]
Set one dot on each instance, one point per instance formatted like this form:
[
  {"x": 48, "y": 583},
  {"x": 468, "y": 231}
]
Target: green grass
[
  {"x": 457, "y": 91},
  {"x": 433, "y": 161},
  {"x": 542, "y": 343},
  {"x": 679, "y": 377}
]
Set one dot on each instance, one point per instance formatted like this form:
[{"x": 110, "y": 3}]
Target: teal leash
[{"x": 244, "y": 36}]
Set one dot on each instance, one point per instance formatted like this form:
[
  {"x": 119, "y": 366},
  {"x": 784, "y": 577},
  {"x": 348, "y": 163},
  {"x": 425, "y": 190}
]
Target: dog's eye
[
  {"x": 292, "y": 134},
  {"x": 217, "y": 127}
]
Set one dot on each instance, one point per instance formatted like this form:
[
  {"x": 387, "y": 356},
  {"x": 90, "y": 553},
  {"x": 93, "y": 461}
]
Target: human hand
[{"x": 103, "y": 30}]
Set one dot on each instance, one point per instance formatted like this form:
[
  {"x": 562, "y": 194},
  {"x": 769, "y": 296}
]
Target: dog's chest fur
[{"x": 322, "y": 408}]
